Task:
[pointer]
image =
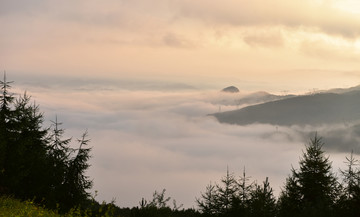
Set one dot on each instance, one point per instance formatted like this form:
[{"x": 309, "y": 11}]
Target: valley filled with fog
[{"x": 145, "y": 140}]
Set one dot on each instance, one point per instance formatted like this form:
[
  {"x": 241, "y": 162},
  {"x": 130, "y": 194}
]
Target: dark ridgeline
[
  {"x": 37, "y": 163},
  {"x": 315, "y": 109}
]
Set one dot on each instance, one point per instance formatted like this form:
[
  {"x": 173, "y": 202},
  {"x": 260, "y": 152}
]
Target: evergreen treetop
[
  {"x": 35, "y": 162},
  {"x": 312, "y": 190}
]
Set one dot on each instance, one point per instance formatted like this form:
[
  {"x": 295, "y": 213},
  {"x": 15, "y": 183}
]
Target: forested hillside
[{"x": 315, "y": 109}]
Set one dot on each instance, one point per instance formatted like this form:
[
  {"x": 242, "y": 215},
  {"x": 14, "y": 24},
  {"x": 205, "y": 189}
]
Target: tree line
[
  {"x": 36, "y": 162},
  {"x": 312, "y": 190},
  {"x": 39, "y": 164}
]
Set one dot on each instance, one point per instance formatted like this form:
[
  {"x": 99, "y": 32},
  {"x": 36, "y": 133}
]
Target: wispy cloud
[{"x": 321, "y": 16}]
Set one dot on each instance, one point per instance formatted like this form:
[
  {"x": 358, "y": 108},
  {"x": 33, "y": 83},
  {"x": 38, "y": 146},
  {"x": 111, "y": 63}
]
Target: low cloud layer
[{"x": 149, "y": 140}]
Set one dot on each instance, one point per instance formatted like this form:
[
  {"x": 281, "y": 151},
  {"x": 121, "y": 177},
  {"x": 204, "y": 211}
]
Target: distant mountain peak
[{"x": 230, "y": 89}]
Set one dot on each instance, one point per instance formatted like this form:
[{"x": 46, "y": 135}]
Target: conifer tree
[
  {"x": 312, "y": 190},
  {"x": 244, "y": 187},
  {"x": 227, "y": 192},
  {"x": 349, "y": 202},
  {"x": 27, "y": 158},
  {"x": 240, "y": 206},
  {"x": 68, "y": 167},
  {"x": 159, "y": 200},
  {"x": 23, "y": 146},
  {"x": 59, "y": 148},
  {"x": 262, "y": 201},
  {"x": 229, "y": 198},
  {"x": 76, "y": 182},
  {"x": 58, "y": 154},
  {"x": 35, "y": 165},
  {"x": 6, "y": 99},
  {"x": 208, "y": 202},
  {"x": 290, "y": 199}
]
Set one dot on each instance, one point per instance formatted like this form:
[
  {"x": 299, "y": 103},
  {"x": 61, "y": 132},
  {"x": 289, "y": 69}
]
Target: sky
[
  {"x": 255, "y": 44},
  {"x": 141, "y": 76}
]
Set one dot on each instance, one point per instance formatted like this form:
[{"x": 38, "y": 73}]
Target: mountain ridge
[{"x": 314, "y": 109}]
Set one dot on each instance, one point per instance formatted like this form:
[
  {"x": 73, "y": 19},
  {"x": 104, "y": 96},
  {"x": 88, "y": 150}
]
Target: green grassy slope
[{"x": 10, "y": 207}]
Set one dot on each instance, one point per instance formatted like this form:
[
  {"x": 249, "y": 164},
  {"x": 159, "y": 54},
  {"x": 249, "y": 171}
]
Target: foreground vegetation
[
  {"x": 10, "y": 207},
  {"x": 42, "y": 174},
  {"x": 35, "y": 161},
  {"x": 311, "y": 190}
]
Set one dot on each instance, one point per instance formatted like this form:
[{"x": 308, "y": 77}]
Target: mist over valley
[{"x": 153, "y": 139}]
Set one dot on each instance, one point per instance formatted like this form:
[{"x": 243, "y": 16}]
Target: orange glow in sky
[{"x": 305, "y": 43}]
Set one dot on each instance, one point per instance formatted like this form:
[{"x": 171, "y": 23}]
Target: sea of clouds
[{"x": 150, "y": 139}]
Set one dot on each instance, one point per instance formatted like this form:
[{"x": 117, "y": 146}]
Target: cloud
[
  {"x": 265, "y": 39},
  {"x": 173, "y": 40},
  {"x": 146, "y": 140},
  {"x": 326, "y": 49},
  {"x": 170, "y": 19},
  {"x": 311, "y": 14},
  {"x": 182, "y": 41},
  {"x": 9, "y": 7}
]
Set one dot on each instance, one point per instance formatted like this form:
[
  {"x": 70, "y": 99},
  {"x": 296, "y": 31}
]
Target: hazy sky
[
  {"x": 283, "y": 45},
  {"x": 141, "y": 76}
]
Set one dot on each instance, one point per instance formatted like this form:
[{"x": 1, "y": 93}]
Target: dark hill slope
[
  {"x": 260, "y": 97},
  {"x": 323, "y": 108}
]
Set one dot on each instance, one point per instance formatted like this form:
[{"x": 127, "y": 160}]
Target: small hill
[
  {"x": 230, "y": 89},
  {"x": 317, "y": 109}
]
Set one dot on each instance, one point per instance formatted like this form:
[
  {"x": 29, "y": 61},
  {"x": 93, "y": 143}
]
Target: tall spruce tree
[
  {"x": 27, "y": 158},
  {"x": 349, "y": 202},
  {"x": 22, "y": 145},
  {"x": 6, "y": 99},
  {"x": 58, "y": 154},
  {"x": 208, "y": 202},
  {"x": 227, "y": 192},
  {"x": 76, "y": 182},
  {"x": 241, "y": 203},
  {"x": 68, "y": 181},
  {"x": 34, "y": 164},
  {"x": 312, "y": 190},
  {"x": 262, "y": 201}
]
